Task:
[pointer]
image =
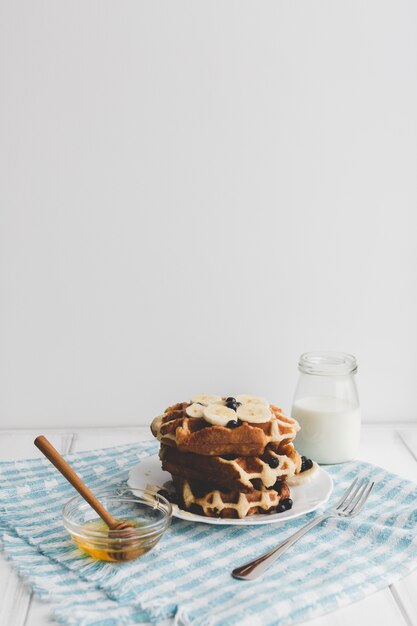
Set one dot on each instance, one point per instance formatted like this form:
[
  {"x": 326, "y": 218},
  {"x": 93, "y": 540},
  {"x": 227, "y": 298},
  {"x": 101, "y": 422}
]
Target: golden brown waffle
[
  {"x": 244, "y": 473},
  {"x": 201, "y": 499},
  {"x": 191, "y": 434}
]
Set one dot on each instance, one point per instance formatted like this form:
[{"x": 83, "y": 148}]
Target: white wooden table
[{"x": 394, "y": 448}]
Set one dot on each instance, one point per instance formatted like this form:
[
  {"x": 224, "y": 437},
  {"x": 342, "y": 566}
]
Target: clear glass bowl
[{"x": 149, "y": 513}]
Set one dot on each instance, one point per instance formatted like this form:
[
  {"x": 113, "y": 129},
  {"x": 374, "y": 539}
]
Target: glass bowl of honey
[{"x": 148, "y": 514}]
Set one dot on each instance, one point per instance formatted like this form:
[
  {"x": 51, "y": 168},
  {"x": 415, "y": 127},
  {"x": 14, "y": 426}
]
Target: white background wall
[{"x": 192, "y": 193}]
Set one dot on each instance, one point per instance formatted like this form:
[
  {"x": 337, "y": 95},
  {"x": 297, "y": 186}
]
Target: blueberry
[
  {"x": 232, "y": 424},
  {"x": 280, "y": 508},
  {"x": 277, "y": 487},
  {"x": 273, "y": 462},
  {"x": 232, "y": 404},
  {"x": 287, "y": 503},
  {"x": 306, "y": 464}
]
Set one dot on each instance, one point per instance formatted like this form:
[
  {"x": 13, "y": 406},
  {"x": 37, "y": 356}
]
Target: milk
[{"x": 330, "y": 428}]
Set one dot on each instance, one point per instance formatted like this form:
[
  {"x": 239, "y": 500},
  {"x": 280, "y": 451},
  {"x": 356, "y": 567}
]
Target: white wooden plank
[
  {"x": 90, "y": 438},
  {"x": 405, "y": 594},
  {"x": 405, "y": 590},
  {"x": 15, "y": 597},
  {"x": 409, "y": 437},
  {"x": 379, "y": 608},
  {"x": 381, "y": 445},
  {"x": 39, "y": 613},
  {"x": 18, "y": 444},
  {"x": 385, "y": 447}
]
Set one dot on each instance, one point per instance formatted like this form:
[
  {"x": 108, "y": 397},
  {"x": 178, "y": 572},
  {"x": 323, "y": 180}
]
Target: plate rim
[{"x": 246, "y": 521}]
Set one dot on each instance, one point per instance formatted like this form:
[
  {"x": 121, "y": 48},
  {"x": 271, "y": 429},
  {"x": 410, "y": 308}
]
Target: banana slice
[
  {"x": 246, "y": 399},
  {"x": 195, "y": 410},
  {"x": 254, "y": 413},
  {"x": 206, "y": 398},
  {"x": 218, "y": 414}
]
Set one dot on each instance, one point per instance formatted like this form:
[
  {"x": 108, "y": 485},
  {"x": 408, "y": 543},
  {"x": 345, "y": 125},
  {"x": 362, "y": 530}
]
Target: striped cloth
[{"x": 187, "y": 575}]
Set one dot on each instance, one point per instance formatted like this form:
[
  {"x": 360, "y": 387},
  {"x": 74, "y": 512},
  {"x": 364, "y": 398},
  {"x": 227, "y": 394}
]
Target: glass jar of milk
[{"x": 326, "y": 405}]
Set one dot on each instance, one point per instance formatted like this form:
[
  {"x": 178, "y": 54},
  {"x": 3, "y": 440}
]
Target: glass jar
[{"x": 326, "y": 405}]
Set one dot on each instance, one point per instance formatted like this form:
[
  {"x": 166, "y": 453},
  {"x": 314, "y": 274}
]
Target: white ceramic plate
[{"x": 306, "y": 497}]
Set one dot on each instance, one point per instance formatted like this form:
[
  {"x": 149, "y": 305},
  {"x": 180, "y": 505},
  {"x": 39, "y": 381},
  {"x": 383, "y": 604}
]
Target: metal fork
[{"x": 349, "y": 505}]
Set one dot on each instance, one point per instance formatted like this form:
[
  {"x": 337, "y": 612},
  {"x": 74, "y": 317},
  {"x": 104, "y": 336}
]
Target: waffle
[
  {"x": 195, "y": 435},
  {"x": 243, "y": 473},
  {"x": 200, "y": 498}
]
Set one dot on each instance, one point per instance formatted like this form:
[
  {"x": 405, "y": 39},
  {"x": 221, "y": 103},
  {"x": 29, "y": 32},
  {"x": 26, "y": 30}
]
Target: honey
[{"x": 111, "y": 548}]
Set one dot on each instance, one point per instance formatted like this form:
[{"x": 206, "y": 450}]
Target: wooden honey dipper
[{"x": 72, "y": 477}]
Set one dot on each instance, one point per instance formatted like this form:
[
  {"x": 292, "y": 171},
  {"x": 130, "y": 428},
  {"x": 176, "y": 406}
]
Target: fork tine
[
  {"x": 350, "y": 497},
  {"x": 347, "y": 492},
  {"x": 365, "y": 496},
  {"x": 348, "y": 509}
]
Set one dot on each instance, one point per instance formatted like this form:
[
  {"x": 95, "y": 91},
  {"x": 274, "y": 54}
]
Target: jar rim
[{"x": 328, "y": 363}]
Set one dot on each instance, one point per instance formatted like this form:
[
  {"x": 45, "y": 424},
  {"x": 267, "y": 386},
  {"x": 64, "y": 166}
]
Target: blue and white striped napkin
[{"x": 187, "y": 575}]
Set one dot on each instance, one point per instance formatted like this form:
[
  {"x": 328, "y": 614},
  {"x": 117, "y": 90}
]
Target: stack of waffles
[{"x": 229, "y": 457}]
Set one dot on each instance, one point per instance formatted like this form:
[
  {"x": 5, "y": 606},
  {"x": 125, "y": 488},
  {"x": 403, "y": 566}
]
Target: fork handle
[{"x": 255, "y": 568}]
